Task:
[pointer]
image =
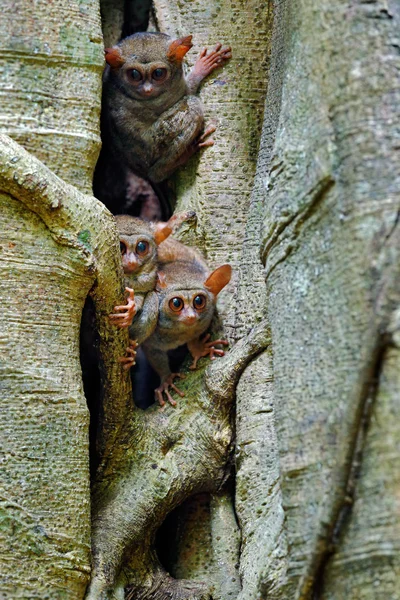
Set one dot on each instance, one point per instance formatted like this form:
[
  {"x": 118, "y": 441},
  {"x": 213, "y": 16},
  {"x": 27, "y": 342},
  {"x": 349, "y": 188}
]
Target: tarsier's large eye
[
  {"x": 199, "y": 302},
  {"x": 136, "y": 75},
  {"x": 142, "y": 247},
  {"x": 159, "y": 74},
  {"x": 122, "y": 247},
  {"x": 176, "y": 304}
]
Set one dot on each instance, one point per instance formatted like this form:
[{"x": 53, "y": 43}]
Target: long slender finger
[
  {"x": 126, "y": 359},
  {"x": 206, "y": 144},
  {"x": 214, "y": 61},
  {"x": 118, "y": 319},
  {"x": 203, "y": 53},
  {"x": 217, "y": 47},
  {"x": 128, "y": 366},
  {"x": 159, "y": 397},
  {"x": 209, "y": 129},
  {"x": 170, "y": 398},
  {"x": 121, "y": 308},
  {"x": 210, "y": 60},
  {"x": 215, "y": 342},
  {"x": 218, "y": 352},
  {"x": 181, "y": 394}
]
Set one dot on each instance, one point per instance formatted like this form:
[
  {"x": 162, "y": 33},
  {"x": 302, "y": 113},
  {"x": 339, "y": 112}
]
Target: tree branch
[
  {"x": 83, "y": 223},
  {"x": 222, "y": 376}
]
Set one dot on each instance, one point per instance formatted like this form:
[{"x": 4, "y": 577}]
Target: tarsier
[
  {"x": 138, "y": 244},
  {"x": 187, "y": 293},
  {"x": 152, "y": 121},
  {"x": 175, "y": 296},
  {"x": 152, "y": 124},
  {"x": 156, "y": 120}
]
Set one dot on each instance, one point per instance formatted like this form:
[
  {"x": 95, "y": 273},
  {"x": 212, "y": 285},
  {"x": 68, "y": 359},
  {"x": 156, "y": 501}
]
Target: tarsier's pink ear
[
  {"x": 162, "y": 231},
  {"x": 113, "y": 57},
  {"x": 161, "y": 281},
  {"x": 219, "y": 279},
  {"x": 178, "y": 48}
]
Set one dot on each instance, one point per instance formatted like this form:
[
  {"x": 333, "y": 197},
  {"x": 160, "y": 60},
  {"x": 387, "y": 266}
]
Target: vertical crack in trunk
[{"x": 368, "y": 398}]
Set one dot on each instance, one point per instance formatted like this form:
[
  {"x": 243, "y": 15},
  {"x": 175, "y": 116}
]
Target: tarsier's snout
[{"x": 130, "y": 263}]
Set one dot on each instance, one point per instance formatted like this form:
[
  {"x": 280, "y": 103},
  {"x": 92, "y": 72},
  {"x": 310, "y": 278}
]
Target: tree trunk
[
  {"x": 57, "y": 245},
  {"x": 311, "y": 314},
  {"x": 330, "y": 175}
]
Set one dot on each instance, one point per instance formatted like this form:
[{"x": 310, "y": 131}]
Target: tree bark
[
  {"x": 57, "y": 245},
  {"x": 315, "y": 512},
  {"x": 331, "y": 254}
]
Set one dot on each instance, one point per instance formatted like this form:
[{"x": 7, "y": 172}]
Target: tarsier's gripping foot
[
  {"x": 163, "y": 388},
  {"x": 130, "y": 360},
  {"x": 203, "y": 347},
  {"x": 124, "y": 314},
  {"x": 202, "y": 142},
  {"x": 210, "y": 60}
]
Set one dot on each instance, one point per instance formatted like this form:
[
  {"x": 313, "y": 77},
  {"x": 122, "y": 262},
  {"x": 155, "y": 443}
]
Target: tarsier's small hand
[
  {"x": 211, "y": 59},
  {"x": 203, "y": 347},
  {"x": 130, "y": 360},
  {"x": 124, "y": 318},
  {"x": 202, "y": 142},
  {"x": 163, "y": 388}
]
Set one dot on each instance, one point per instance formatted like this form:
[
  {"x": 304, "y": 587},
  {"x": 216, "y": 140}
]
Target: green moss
[{"x": 84, "y": 237}]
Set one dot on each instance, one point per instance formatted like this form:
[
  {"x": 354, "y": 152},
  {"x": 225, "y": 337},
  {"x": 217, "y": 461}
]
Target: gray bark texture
[
  {"x": 300, "y": 193},
  {"x": 329, "y": 175},
  {"x": 57, "y": 246}
]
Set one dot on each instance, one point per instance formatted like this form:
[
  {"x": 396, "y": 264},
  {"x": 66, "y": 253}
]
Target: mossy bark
[{"x": 56, "y": 245}]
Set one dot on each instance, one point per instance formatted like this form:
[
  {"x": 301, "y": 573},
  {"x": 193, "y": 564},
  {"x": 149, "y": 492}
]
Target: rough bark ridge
[
  {"x": 55, "y": 245},
  {"x": 51, "y": 61},
  {"x": 331, "y": 253},
  {"x": 258, "y": 500},
  {"x": 56, "y": 254},
  {"x": 163, "y": 457}
]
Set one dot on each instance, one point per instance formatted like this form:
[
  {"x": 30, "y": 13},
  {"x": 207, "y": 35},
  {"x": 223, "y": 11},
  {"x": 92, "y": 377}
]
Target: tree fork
[{"x": 164, "y": 457}]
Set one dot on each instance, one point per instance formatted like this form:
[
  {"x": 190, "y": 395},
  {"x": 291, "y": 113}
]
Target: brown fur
[
  {"x": 183, "y": 277},
  {"x": 150, "y": 124},
  {"x": 141, "y": 269}
]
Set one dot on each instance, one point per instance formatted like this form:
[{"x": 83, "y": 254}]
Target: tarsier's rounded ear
[
  {"x": 178, "y": 48},
  {"x": 113, "y": 57},
  {"x": 162, "y": 231},
  {"x": 219, "y": 279}
]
